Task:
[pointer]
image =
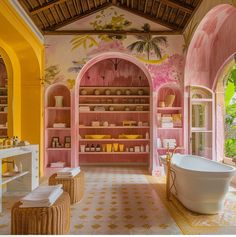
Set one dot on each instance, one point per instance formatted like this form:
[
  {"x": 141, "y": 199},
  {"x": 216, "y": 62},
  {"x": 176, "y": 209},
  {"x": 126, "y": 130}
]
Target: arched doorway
[
  {"x": 132, "y": 61},
  {"x": 212, "y": 45},
  {"x": 224, "y": 125}
]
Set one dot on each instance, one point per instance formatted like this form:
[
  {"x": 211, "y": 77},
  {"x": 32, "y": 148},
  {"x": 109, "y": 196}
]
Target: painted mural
[{"x": 66, "y": 55}]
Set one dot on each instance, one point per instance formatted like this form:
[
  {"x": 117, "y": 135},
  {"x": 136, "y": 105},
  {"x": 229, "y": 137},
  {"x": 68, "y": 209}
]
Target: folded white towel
[
  {"x": 68, "y": 172},
  {"x": 42, "y": 196},
  {"x": 42, "y": 204}
]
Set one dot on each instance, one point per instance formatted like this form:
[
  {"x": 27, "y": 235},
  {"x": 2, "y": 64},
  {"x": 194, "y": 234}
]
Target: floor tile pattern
[{"x": 117, "y": 200}]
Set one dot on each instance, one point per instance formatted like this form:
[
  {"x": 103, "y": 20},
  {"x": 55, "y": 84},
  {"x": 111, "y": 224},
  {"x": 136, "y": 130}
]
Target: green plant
[
  {"x": 230, "y": 147},
  {"x": 147, "y": 43},
  {"x": 232, "y": 77}
]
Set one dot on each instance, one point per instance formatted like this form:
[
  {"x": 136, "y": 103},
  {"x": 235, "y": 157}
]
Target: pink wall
[{"x": 212, "y": 44}]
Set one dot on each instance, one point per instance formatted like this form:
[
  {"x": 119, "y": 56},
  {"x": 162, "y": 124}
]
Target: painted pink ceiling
[{"x": 212, "y": 44}]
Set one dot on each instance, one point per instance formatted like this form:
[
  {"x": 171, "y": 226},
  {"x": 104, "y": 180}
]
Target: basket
[{"x": 169, "y": 96}]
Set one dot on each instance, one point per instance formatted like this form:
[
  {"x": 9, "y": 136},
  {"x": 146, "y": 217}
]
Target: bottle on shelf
[
  {"x": 87, "y": 148},
  {"x": 98, "y": 148},
  {"x": 92, "y": 148}
]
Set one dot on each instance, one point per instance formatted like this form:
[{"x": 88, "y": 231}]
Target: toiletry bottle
[
  {"x": 147, "y": 148},
  {"x": 142, "y": 148},
  {"x": 98, "y": 148},
  {"x": 87, "y": 148},
  {"x": 147, "y": 135},
  {"x": 92, "y": 148}
]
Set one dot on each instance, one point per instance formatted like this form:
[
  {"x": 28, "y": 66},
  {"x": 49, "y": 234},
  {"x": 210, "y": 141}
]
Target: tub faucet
[{"x": 169, "y": 156}]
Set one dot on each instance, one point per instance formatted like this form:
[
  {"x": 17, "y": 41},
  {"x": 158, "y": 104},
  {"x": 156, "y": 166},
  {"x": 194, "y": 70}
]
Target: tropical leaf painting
[
  {"x": 85, "y": 41},
  {"x": 51, "y": 74},
  {"x": 147, "y": 44}
]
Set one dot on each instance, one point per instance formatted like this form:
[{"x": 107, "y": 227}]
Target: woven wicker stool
[
  {"x": 53, "y": 220},
  {"x": 74, "y": 186}
]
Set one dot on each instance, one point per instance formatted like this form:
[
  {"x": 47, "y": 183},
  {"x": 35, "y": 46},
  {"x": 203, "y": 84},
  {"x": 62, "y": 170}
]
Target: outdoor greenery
[{"x": 230, "y": 118}]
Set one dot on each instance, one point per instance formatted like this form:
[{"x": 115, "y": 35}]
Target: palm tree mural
[{"x": 148, "y": 43}]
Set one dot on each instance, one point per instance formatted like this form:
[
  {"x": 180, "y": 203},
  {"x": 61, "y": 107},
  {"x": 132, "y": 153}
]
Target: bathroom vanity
[{"x": 27, "y": 178}]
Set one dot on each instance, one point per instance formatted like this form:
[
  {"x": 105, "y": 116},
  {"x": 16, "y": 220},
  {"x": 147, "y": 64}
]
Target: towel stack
[
  {"x": 84, "y": 108},
  {"x": 68, "y": 173},
  {"x": 167, "y": 122},
  {"x": 43, "y": 196}
]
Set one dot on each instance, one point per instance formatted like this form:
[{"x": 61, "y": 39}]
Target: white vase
[{"x": 58, "y": 101}]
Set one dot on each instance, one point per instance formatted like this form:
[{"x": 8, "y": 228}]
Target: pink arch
[
  {"x": 153, "y": 163},
  {"x": 108, "y": 55},
  {"x": 212, "y": 44}
]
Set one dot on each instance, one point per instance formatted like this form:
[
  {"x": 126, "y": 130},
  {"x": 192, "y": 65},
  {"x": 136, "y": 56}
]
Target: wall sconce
[{"x": 116, "y": 63}]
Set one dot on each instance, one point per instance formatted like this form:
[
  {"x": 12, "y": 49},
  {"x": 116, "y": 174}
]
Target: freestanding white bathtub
[{"x": 201, "y": 184}]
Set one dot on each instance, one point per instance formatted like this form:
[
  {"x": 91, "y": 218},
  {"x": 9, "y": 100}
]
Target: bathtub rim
[{"x": 230, "y": 172}]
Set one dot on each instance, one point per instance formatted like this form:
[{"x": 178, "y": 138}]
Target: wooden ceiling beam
[
  {"x": 45, "y": 6},
  {"x": 109, "y": 32},
  {"x": 77, "y": 17},
  {"x": 191, "y": 16},
  {"x": 176, "y": 4},
  {"x": 148, "y": 17}
]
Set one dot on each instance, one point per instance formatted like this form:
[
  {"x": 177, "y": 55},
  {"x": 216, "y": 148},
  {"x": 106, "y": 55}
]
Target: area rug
[{"x": 193, "y": 223}]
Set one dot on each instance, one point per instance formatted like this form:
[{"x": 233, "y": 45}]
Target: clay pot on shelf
[
  {"x": 96, "y": 92},
  {"x": 107, "y": 92},
  {"x": 140, "y": 92},
  {"x": 111, "y": 108},
  {"x": 161, "y": 104},
  {"x": 83, "y": 92},
  {"x": 128, "y": 92},
  {"x": 118, "y": 92}
]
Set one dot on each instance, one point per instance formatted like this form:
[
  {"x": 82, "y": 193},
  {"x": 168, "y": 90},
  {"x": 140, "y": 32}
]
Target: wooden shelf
[
  {"x": 3, "y": 128},
  {"x": 58, "y": 108},
  {"x": 197, "y": 130},
  {"x": 2, "y": 105},
  {"x": 114, "y": 96},
  {"x": 169, "y": 108},
  {"x": 3, "y": 96},
  {"x": 58, "y": 149},
  {"x": 114, "y": 140},
  {"x": 112, "y": 127},
  {"x": 113, "y": 153},
  {"x": 59, "y": 129},
  {"x": 115, "y": 87},
  {"x": 114, "y": 112},
  {"x": 6, "y": 180},
  {"x": 120, "y": 105},
  {"x": 201, "y": 100},
  {"x": 2, "y": 112},
  {"x": 3, "y": 88},
  {"x": 170, "y": 128}
]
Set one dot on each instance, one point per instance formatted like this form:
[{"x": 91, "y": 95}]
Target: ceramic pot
[{"x": 58, "y": 101}]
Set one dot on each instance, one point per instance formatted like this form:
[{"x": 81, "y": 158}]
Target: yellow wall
[{"x": 24, "y": 55}]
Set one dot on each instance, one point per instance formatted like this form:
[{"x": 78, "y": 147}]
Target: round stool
[
  {"x": 74, "y": 186},
  {"x": 53, "y": 220}
]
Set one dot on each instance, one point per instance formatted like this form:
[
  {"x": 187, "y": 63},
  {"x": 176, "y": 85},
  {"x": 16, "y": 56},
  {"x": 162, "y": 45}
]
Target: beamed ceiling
[{"x": 51, "y": 15}]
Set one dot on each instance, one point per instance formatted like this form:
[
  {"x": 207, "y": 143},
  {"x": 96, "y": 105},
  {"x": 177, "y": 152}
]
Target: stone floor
[{"x": 117, "y": 200}]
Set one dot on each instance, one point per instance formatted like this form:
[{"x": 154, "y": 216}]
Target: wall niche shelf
[
  {"x": 57, "y": 115},
  {"x": 170, "y": 118},
  {"x": 3, "y": 100}
]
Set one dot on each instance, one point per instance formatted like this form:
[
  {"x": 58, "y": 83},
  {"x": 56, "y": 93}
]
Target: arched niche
[{"x": 105, "y": 58}]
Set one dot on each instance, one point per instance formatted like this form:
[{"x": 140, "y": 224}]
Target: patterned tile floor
[{"x": 117, "y": 200}]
